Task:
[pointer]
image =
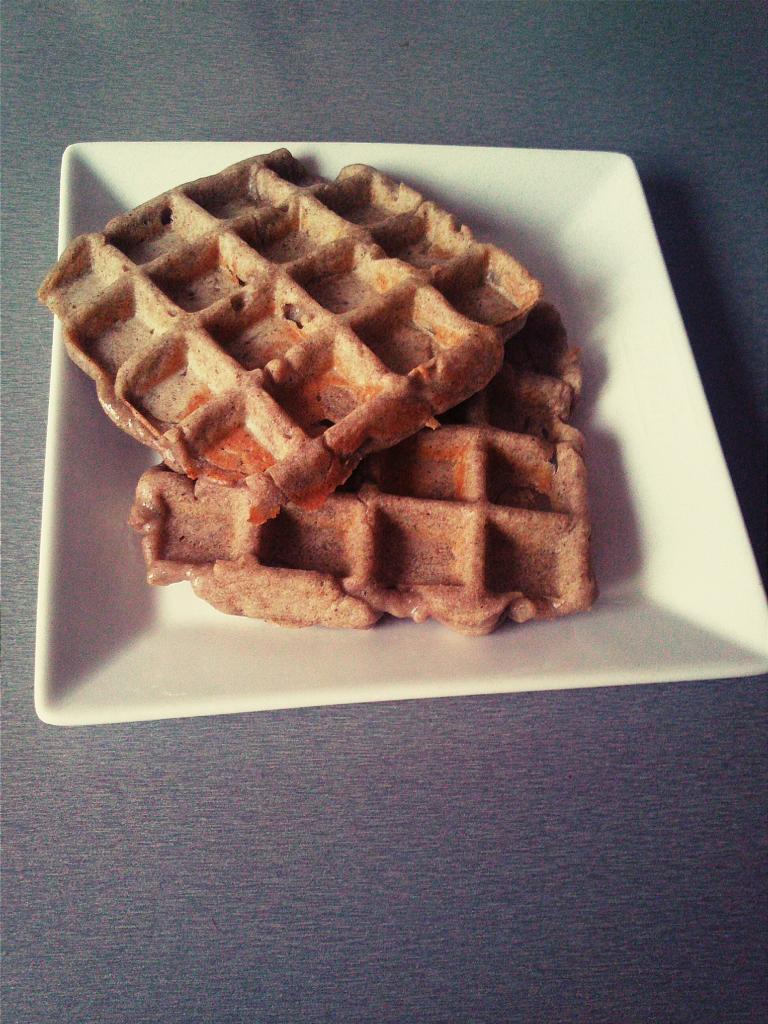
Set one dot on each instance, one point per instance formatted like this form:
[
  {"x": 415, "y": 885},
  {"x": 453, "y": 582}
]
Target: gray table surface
[{"x": 573, "y": 856}]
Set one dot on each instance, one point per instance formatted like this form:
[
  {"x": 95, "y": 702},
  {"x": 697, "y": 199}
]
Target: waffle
[
  {"x": 470, "y": 524},
  {"x": 266, "y": 327}
]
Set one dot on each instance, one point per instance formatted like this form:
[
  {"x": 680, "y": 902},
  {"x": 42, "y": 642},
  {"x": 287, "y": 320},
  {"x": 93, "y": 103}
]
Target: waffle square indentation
[
  {"x": 294, "y": 233},
  {"x": 322, "y": 394},
  {"x": 314, "y": 541},
  {"x": 340, "y": 292},
  {"x": 228, "y": 198},
  {"x": 522, "y": 555},
  {"x": 288, "y": 168},
  {"x": 346, "y": 277},
  {"x": 205, "y": 525},
  {"x": 428, "y": 466},
  {"x": 423, "y": 549},
  {"x": 254, "y": 329},
  {"x": 115, "y": 332},
  {"x": 428, "y": 238},
  {"x": 519, "y": 479},
  {"x": 485, "y": 286},
  {"x": 89, "y": 272},
  {"x": 165, "y": 385},
  {"x": 398, "y": 338},
  {"x": 199, "y": 277},
  {"x": 157, "y": 228},
  {"x": 368, "y": 198}
]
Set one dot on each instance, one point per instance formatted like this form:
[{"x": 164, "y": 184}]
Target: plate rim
[{"x": 55, "y": 712}]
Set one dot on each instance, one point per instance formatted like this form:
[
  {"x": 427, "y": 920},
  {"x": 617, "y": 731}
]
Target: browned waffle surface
[
  {"x": 470, "y": 524},
  {"x": 262, "y": 326}
]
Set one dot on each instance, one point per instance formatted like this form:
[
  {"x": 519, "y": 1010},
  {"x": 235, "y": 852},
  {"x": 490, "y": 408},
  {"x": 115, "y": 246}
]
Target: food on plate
[
  {"x": 266, "y": 329},
  {"x": 360, "y": 408},
  {"x": 481, "y": 520}
]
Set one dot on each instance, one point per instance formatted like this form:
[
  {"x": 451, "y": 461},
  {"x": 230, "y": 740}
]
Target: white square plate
[{"x": 680, "y": 594}]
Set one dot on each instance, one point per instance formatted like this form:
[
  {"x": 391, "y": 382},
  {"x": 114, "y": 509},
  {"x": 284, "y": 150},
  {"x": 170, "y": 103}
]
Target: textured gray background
[{"x": 577, "y": 856}]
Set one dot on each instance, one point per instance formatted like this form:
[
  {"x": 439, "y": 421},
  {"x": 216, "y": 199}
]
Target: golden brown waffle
[
  {"x": 262, "y": 326},
  {"x": 469, "y": 524}
]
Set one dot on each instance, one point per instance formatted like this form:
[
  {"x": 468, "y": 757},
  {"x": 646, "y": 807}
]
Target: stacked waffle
[{"x": 360, "y": 408}]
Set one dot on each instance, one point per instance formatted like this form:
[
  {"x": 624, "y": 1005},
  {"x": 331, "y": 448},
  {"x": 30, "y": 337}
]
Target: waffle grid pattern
[
  {"x": 268, "y": 327},
  {"x": 469, "y": 524}
]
